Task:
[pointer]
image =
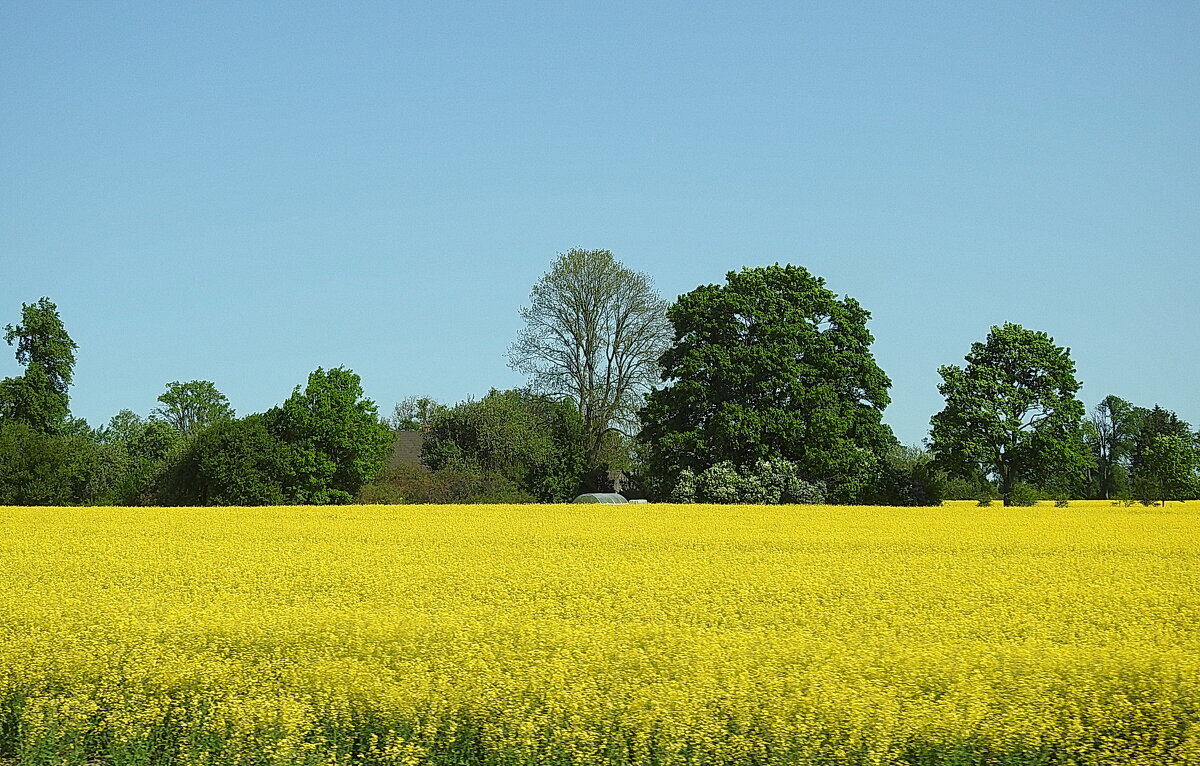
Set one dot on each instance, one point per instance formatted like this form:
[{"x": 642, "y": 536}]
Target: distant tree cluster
[
  {"x": 763, "y": 389},
  {"x": 320, "y": 446}
]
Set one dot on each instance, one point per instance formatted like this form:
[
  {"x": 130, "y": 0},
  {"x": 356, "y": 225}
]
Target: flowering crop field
[{"x": 638, "y": 634}]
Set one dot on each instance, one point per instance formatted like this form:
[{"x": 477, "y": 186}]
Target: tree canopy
[
  {"x": 593, "y": 332},
  {"x": 189, "y": 406},
  {"x": 534, "y": 442},
  {"x": 1110, "y": 433},
  {"x": 771, "y": 364},
  {"x": 234, "y": 462},
  {"x": 338, "y": 440},
  {"x": 1167, "y": 468},
  {"x": 1011, "y": 412},
  {"x": 412, "y": 413},
  {"x": 39, "y": 397}
]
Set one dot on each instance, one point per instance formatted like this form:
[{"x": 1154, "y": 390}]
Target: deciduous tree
[
  {"x": 233, "y": 462},
  {"x": 338, "y": 440},
  {"x": 1011, "y": 412},
  {"x": 413, "y": 413},
  {"x": 189, "y": 406},
  {"x": 534, "y": 442},
  {"x": 1113, "y": 427},
  {"x": 593, "y": 332},
  {"x": 771, "y": 364},
  {"x": 1167, "y": 469},
  {"x": 39, "y": 397}
]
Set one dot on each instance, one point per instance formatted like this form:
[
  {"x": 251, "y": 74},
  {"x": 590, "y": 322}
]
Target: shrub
[
  {"x": 415, "y": 484},
  {"x": 908, "y": 477},
  {"x": 685, "y": 487},
  {"x": 766, "y": 482},
  {"x": 808, "y": 493},
  {"x": 232, "y": 462},
  {"x": 720, "y": 483},
  {"x": 380, "y": 492},
  {"x": 1021, "y": 495}
]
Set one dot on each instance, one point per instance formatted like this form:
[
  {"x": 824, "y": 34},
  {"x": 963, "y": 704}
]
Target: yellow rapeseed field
[{"x": 651, "y": 634}]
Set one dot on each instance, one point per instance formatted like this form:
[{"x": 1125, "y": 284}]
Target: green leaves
[
  {"x": 39, "y": 397},
  {"x": 190, "y": 406},
  {"x": 1011, "y": 411},
  {"x": 1167, "y": 469},
  {"x": 770, "y": 365},
  {"x": 319, "y": 447},
  {"x": 336, "y": 436},
  {"x": 536, "y": 443}
]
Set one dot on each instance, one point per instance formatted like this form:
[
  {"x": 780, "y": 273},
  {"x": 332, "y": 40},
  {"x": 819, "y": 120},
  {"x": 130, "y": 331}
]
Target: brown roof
[{"x": 407, "y": 450}]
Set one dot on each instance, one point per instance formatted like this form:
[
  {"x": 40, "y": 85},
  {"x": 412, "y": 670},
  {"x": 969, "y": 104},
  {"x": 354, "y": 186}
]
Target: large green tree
[
  {"x": 1167, "y": 469},
  {"x": 1149, "y": 423},
  {"x": 39, "y": 397},
  {"x": 594, "y": 330},
  {"x": 1011, "y": 412},
  {"x": 772, "y": 364},
  {"x": 1152, "y": 460},
  {"x": 144, "y": 452},
  {"x": 338, "y": 440},
  {"x": 189, "y": 406}
]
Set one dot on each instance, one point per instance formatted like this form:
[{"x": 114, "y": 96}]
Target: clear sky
[{"x": 243, "y": 191}]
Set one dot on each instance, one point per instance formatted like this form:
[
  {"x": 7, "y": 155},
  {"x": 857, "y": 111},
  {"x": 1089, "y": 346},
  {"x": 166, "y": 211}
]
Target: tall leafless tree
[{"x": 594, "y": 331}]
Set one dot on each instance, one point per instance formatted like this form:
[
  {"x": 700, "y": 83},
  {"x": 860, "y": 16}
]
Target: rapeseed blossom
[{"x": 642, "y": 634}]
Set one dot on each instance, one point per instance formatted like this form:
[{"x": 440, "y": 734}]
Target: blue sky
[{"x": 241, "y": 192}]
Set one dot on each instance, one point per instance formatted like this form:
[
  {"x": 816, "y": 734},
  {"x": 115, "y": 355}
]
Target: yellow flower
[{"x": 612, "y": 634}]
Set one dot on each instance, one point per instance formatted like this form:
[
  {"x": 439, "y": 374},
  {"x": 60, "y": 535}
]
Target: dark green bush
[
  {"x": 1021, "y": 495},
  {"x": 417, "y": 484}
]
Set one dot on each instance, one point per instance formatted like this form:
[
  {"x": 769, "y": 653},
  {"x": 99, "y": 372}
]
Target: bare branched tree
[{"x": 594, "y": 331}]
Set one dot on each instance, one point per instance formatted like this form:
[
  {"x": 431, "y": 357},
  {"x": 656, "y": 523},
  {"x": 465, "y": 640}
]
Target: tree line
[{"x": 762, "y": 389}]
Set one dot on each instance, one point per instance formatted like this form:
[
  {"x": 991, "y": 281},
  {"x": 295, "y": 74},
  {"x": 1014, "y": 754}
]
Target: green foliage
[
  {"x": 382, "y": 490},
  {"x": 189, "y": 406},
  {"x": 720, "y": 483},
  {"x": 534, "y": 443},
  {"x": 137, "y": 454},
  {"x": 320, "y": 446},
  {"x": 233, "y": 462},
  {"x": 1145, "y": 459},
  {"x": 908, "y": 477},
  {"x": 1021, "y": 495},
  {"x": 1110, "y": 434},
  {"x": 122, "y": 428},
  {"x": 415, "y": 484},
  {"x": 771, "y": 365},
  {"x": 336, "y": 438},
  {"x": 1011, "y": 412},
  {"x": 686, "y": 488},
  {"x": 37, "y": 468},
  {"x": 1167, "y": 469},
  {"x": 966, "y": 487},
  {"x": 414, "y": 413},
  {"x": 155, "y": 442},
  {"x": 39, "y": 397}
]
